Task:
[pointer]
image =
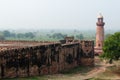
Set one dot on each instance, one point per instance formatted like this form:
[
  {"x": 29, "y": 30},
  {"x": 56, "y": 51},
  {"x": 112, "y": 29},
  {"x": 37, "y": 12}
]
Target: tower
[{"x": 99, "y": 32}]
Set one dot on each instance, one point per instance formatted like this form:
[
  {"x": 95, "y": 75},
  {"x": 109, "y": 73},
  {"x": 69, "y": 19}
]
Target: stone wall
[
  {"x": 87, "y": 53},
  {"x": 45, "y": 59},
  {"x": 68, "y": 56}
]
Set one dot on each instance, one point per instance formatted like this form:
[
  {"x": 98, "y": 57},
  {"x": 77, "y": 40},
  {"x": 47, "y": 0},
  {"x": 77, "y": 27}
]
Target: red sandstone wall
[
  {"x": 50, "y": 58},
  {"x": 87, "y": 57}
]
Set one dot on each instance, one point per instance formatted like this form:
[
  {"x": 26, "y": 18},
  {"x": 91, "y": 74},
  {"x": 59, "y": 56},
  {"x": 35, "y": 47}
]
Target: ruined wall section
[
  {"x": 45, "y": 59},
  {"x": 68, "y": 56},
  {"x": 87, "y": 53},
  {"x": 31, "y": 61}
]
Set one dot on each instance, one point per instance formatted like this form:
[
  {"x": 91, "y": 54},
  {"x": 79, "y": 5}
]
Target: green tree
[
  {"x": 107, "y": 35},
  {"x": 20, "y": 35},
  {"x": 12, "y": 35},
  {"x": 111, "y": 47},
  {"x": 6, "y": 33},
  {"x": 2, "y": 36},
  {"x": 59, "y": 36},
  {"x": 80, "y": 36},
  {"x": 29, "y": 35}
]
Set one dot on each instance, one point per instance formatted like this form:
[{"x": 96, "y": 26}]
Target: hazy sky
[{"x": 58, "y": 14}]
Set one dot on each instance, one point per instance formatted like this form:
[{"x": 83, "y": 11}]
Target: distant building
[
  {"x": 68, "y": 39},
  {"x": 99, "y": 35}
]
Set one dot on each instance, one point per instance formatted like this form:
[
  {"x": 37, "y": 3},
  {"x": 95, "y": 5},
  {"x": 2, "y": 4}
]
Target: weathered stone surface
[
  {"x": 33, "y": 70},
  {"x": 54, "y": 68},
  {"x": 44, "y": 70},
  {"x": 87, "y": 61},
  {"x": 48, "y": 58}
]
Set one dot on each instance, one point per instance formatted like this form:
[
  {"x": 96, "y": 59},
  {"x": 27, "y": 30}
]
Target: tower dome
[{"x": 100, "y": 16}]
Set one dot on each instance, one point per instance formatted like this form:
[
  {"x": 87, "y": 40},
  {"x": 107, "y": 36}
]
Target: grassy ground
[
  {"x": 29, "y": 78},
  {"x": 64, "y": 74},
  {"x": 82, "y": 69},
  {"x": 111, "y": 73}
]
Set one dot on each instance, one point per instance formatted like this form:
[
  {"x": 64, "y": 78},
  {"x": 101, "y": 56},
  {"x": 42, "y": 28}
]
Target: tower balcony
[{"x": 100, "y": 23}]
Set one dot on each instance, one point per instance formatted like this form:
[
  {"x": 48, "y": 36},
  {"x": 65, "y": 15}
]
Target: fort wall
[{"x": 45, "y": 58}]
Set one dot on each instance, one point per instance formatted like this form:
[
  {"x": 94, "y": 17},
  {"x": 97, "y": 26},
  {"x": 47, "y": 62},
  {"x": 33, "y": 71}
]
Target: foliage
[
  {"x": 20, "y": 35},
  {"x": 26, "y": 35},
  {"x": 6, "y": 33},
  {"x": 29, "y": 35},
  {"x": 111, "y": 47},
  {"x": 49, "y": 35},
  {"x": 81, "y": 69},
  {"x": 107, "y": 35},
  {"x": 58, "y": 36},
  {"x": 2, "y": 36},
  {"x": 80, "y": 36}
]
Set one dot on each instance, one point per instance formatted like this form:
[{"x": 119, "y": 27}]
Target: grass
[
  {"x": 28, "y": 78},
  {"x": 66, "y": 73},
  {"x": 111, "y": 73},
  {"x": 95, "y": 79},
  {"x": 81, "y": 69}
]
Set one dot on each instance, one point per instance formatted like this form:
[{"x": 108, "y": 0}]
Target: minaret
[{"x": 100, "y": 32}]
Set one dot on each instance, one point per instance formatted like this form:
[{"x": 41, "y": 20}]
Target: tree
[
  {"x": 29, "y": 35},
  {"x": 12, "y": 35},
  {"x": 6, "y": 33},
  {"x": 80, "y": 36},
  {"x": 20, "y": 35},
  {"x": 59, "y": 36},
  {"x": 2, "y": 36},
  {"x": 111, "y": 47},
  {"x": 107, "y": 35},
  {"x": 26, "y": 35}
]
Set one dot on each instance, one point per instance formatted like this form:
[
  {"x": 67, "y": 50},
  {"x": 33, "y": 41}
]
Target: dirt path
[
  {"x": 94, "y": 72},
  {"x": 90, "y": 74}
]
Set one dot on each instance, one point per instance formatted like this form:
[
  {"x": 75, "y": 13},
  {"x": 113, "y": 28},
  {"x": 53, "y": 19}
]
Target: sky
[{"x": 58, "y": 14}]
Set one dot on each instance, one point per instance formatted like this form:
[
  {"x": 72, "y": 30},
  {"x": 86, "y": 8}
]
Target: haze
[{"x": 58, "y": 14}]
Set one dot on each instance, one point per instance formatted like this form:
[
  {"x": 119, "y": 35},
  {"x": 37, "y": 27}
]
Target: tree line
[
  {"x": 7, "y": 34},
  {"x": 62, "y": 36}
]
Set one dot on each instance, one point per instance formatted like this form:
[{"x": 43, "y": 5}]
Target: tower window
[{"x": 99, "y": 45}]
